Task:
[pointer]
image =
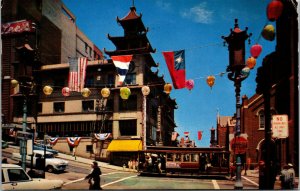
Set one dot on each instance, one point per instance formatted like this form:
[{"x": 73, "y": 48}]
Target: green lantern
[
  {"x": 268, "y": 32},
  {"x": 125, "y": 93}
]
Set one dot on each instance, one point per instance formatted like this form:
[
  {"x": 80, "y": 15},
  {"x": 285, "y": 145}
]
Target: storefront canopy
[{"x": 125, "y": 146}]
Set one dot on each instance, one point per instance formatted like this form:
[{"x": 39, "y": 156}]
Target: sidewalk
[{"x": 89, "y": 161}]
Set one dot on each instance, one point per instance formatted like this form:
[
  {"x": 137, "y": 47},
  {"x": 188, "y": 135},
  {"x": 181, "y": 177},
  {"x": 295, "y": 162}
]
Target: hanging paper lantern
[
  {"x": 268, "y": 32},
  {"x": 251, "y": 62},
  {"x": 65, "y": 91},
  {"x": 145, "y": 90},
  {"x": 245, "y": 71},
  {"x": 47, "y": 90},
  {"x": 189, "y": 84},
  {"x": 274, "y": 10},
  {"x": 210, "y": 80},
  {"x": 86, "y": 92},
  {"x": 14, "y": 83},
  {"x": 125, "y": 93},
  {"x": 256, "y": 50},
  {"x": 167, "y": 88},
  {"x": 105, "y": 92}
]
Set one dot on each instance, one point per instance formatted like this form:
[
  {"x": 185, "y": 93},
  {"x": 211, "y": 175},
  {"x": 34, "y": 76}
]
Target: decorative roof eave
[
  {"x": 143, "y": 50},
  {"x": 130, "y": 17}
]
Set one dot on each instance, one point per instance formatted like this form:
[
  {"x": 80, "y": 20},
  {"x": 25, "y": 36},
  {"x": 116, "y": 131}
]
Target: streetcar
[{"x": 165, "y": 160}]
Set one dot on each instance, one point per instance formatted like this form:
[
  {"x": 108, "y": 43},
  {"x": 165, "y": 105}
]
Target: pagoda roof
[
  {"x": 142, "y": 50},
  {"x": 132, "y": 18}
]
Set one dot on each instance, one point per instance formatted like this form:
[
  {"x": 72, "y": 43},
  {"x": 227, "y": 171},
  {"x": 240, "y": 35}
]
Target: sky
[{"x": 195, "y": 26}]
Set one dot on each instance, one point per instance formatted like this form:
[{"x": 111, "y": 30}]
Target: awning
[{"x": 125, "y": 146}]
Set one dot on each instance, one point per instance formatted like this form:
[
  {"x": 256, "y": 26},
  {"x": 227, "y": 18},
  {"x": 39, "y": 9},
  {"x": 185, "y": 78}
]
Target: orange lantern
[
  {"x": 47, "y": 90},
  {"x": 125, "y": 93},
  {"x": 251, "y": 62},
  {"x": 86, "y": 92},
  {"x": 168, "y": 88},
  {"x": 105, "y": 92},
  {"x": 210, "y": 80}
]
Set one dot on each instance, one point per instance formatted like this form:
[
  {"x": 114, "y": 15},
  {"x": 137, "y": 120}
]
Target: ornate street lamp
[
  {"x": 145, "y": 92},
  {"x": 237, "y": 73},
  {"x": 24, "y": 78}
]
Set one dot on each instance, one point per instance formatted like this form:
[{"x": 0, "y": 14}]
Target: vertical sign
[{"x": 280, "y": 126}]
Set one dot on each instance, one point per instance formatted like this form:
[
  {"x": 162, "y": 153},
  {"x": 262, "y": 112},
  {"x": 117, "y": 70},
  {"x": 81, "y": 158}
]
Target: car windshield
[
  {"x": 17, "y": 175},
  {"x": 49, "y": 156}
]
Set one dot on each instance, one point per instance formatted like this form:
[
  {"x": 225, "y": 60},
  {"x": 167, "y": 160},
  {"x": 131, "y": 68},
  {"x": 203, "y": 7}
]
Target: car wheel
[{"x": 50, "y": 169}]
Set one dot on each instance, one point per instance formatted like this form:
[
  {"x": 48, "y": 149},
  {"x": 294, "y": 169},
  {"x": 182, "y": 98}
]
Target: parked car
[
  {"x": 4, "y": 144},
  {"x": 52, "y": 163},
  {"x": 15, "y": 178},
  {"x": 41, "y": 147}
]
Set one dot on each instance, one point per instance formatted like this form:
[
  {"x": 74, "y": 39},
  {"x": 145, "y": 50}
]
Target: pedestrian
[
  {"x": 288, "y": 177},
  {"x": 94, "y": 177}
]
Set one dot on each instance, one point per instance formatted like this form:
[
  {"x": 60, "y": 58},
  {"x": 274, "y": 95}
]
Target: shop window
[
  {"x": 88, "y": 105},
  {"x": 130, "y": 104},
  {"x": 40, "y": 107},
  {"x": 59, "y": 107},
  {"x": 130, "y": 79}
]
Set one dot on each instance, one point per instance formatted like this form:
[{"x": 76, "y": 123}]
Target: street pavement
[{"x": 250, "y": 174}]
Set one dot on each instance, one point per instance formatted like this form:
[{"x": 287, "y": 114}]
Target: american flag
[{"x": 77, "y": 73}]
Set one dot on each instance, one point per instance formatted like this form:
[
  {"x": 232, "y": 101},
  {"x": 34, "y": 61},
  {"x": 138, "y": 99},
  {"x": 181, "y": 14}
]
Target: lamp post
[
  {"x": 145, "y": 92},
  {"x": 237, "y": 73},
  {"x": 23, "y": 73}
]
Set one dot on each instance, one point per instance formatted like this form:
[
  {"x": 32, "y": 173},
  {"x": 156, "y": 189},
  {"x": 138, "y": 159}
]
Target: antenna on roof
[{"x": 133, "y": 3}]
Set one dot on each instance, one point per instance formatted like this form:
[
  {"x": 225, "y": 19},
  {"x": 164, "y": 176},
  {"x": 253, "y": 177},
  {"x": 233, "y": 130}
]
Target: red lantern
[
  {"x": 251, "y": 62},
  {"x": 189, "y": 84},
  {"x": 256, "y": 50},
  {"x": 65, "y": 91},
  {"x": 274, "y": 10}
]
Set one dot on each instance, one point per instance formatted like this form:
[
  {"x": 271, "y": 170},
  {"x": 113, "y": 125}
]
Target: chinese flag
[{"x": 199, "y": 135}]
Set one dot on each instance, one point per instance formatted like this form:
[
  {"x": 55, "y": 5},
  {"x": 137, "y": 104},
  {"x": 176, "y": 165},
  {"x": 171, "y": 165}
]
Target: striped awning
[{"x": 125, "y": 146}]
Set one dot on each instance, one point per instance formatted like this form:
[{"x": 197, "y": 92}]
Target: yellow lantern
[
  {"x": 251, "y": 62},
  {"x": 86, "y": 92},
  {"x": 125, "y": 93},
  {"x": 268, "y": 32},
  {"x": 210, "y": 80},
  {"x": 168, "y": 88},
  {"x": 145, "y": 90},
  {"x": 47, "y": 90},
  {"x": 14, "y": 83},
  {"x": 105, "y": 92}
]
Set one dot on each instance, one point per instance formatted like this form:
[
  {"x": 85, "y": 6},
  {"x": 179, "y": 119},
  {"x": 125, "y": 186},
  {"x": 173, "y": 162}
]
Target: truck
[
  {"x": 52, "y": 164},
  {"x": 15, "y": 178}
]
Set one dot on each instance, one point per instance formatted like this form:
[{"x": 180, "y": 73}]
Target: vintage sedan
[{"x": 15, "y": 178}]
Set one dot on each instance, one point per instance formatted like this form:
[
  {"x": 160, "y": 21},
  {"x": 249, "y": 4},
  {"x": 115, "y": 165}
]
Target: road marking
[
  {"x": 80, "y": 179},
  {"x": 216, "y": 185},
  {"x": 250, "y": 181},
  {"x": 118, "y": 181}
]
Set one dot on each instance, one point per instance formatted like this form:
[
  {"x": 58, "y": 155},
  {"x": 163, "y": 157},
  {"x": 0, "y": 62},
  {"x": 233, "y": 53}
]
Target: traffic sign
[
  {"x": 24, "y": 135},
  {"x": 280, "y": 126},
  {"x": 239, "y": 145}
]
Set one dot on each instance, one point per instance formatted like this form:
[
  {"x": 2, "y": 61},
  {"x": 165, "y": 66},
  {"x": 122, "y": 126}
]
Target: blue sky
[{"x": 195, "y": 26}]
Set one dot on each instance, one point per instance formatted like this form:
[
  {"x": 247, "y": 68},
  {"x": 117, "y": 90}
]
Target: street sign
[
  {"x": 24, "y": 135},
  {"x": 239, "y": 145},
  {"x": 280, "y": 126}
]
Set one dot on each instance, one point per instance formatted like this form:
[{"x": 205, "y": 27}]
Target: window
[
  {"x": 130, "y": 78},
  {"x": 59, "y": 107},
  {"x": 88, "y": 105},
  {"x": 127, "y": 127},
  {"x": 261, "y": 118},
  {"x": 17, "y": 175},
  {"x": 130, "y": 104},
  {"x": 40, "y": 107},
  {"x": 153, "y": 133},
  {"x": 89, "y": 148},
  {"x": 110, "y": 79}
]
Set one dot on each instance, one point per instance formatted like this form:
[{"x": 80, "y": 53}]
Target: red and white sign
[
  {"x": 239, "y": 145},
  {"x": 17, "y": 27},
  {"x": 280, "y": 126}
]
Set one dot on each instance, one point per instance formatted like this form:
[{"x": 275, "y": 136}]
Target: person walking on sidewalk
[
  {"x": 94, "y": 177},
  {"x": 288, "y": 177}
]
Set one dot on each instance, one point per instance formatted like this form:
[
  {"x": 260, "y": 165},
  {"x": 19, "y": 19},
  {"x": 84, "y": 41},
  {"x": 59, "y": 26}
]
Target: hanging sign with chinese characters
[{"x": 280, "y": 127}]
